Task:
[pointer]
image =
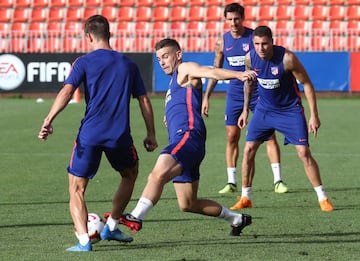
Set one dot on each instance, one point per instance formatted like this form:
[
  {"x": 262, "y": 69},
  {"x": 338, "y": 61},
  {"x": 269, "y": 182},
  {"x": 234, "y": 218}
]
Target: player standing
[
  {"x": 279, "y": 108},
  {"x": 233, "y": 47}
]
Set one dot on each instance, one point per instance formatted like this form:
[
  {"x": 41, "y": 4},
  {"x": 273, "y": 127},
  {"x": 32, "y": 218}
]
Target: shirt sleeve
[
  {"x": 77, "y": 73},
  {"x": 138, "y": 88}
]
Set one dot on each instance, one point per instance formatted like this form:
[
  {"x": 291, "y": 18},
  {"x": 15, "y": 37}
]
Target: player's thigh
[
  {"x": 294, "y": 128},
  {"x": 188, "y": 151},
  {"x": 85, "y": 161},
  {"x": 125, "y": 158},
  {"x": 260, "y": 127},
  {"x": 233, "y": 110},
  {"x": 166, "y": 168}
]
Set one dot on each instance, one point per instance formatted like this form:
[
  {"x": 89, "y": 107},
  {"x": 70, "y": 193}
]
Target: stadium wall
[
  {"x": 329, "y": 72},
  {"x": 44, "y": 73},
  {"x": 23, "y": 73}
]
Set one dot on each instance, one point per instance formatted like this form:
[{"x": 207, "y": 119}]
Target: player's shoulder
[
  {"x": 288, "y": 54},
  {"x": 280, "y": 51},
  {"x": 186, "y": 64},
  {"x": 290, "y": 60},
  {"x": 123, "y": 58},
  {"x": 248, "y": 30}
]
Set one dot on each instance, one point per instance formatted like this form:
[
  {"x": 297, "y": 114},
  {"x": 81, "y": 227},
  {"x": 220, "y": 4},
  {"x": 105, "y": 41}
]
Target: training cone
[{"x": 76, "y": 96}]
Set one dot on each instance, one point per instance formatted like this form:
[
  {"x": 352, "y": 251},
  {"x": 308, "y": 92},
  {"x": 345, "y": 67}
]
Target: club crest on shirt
[
  {"x": 274, "y": 70},
  {"x": 246, "y": 47}
]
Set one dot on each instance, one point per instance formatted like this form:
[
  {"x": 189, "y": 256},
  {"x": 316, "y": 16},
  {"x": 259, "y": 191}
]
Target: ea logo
[{"x": 12, "y": 72}]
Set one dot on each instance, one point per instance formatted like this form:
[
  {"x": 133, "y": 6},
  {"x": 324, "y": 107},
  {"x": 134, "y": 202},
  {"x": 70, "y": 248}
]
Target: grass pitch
[{"x": 35, "y": 222}]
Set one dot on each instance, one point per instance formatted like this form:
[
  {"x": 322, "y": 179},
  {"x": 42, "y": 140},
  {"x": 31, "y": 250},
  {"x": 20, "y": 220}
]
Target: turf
[{"x": 35, "y": 223}]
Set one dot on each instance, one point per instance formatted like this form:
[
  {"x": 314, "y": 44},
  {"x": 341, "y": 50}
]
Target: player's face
[
  {"x": 263, "y": 47},
  {"x": 234, "y": 21},
  {"x": 168, "y": 58}
]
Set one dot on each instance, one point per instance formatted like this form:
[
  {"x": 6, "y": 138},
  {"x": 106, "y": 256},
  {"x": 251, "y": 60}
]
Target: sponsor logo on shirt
[
  {"x": 236, "y": 60},
  {"x": 269, "y": 83}
]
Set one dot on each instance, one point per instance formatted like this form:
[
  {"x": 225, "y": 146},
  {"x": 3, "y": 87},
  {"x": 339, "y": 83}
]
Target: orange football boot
[
  {"x": 244, "y": 202},
  {"x": 325, "y": 205}
]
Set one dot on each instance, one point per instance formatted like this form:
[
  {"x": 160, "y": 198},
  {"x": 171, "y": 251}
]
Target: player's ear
[
  {"x": 179, "y": 54},
  {"x": 89, "y": 36}
]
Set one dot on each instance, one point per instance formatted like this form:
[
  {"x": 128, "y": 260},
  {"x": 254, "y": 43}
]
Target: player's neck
[
  {"x": 238, "y": 33},
  {"x": 96, "y": 44}
]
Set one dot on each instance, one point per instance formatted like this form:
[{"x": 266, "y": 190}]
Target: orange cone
[{"x": 76, "y": 96}]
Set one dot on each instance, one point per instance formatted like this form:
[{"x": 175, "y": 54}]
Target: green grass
[{"x": 35, "y": 223}]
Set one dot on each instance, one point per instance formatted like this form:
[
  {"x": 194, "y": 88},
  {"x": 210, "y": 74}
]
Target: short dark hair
[
  {"x": 263, "y": 31},
  {"x": 234, "y": 8},
  {"x": 167, "y": 42},
  {"x": 99, "y": 26}
]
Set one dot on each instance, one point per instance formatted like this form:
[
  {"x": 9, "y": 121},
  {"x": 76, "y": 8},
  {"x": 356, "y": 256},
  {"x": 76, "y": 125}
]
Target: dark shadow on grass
[
  {"x": 32, "y": 203},
  {"x": 196, "y": 217},
  {"x": 67, "y": 202},
  {"x": 70, "y": 223},
  {"x": 36, "y": 225},
  {"x": 306, "y": 238}
]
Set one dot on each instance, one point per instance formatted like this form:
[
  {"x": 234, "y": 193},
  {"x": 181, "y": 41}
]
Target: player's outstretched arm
[{"x": 191, "y": 70}]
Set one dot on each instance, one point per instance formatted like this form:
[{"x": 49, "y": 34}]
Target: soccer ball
[{"x": 94, "y": 225}]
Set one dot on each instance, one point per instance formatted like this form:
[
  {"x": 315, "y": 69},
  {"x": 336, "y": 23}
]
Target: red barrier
[{"x": 355, "y": 72}]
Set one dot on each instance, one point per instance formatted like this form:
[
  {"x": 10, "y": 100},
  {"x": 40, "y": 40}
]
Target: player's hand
[
  {"x": 45, "y": 131},
  {"x": 150, "y": 143},
  {"x": 314, "y": 125},
  {"x": 205, "y": 108},
  {"x": 247, "y": 75},
  {"x": 243, "y": 119}
]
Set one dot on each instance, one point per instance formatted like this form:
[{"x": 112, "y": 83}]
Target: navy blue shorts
[
  {"x": 85, "y": 160},
  {"x": 292, "y": 124},
  {"x": 234, "y": 108},
  {"x": 189, "y": 151}
]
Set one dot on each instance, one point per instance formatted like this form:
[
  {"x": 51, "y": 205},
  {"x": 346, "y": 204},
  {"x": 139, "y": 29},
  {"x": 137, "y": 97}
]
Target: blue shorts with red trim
[
  {"x": 85, "y": 160},
  {"x": 189, "y": 151},
  {"x": 292, "y": 124}
]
